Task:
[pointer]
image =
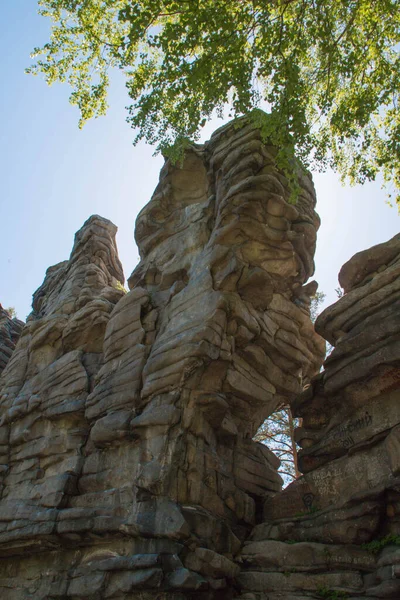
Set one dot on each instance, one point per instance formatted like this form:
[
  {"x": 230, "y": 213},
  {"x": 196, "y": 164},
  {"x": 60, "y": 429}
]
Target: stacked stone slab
[
  {"x": 335, "y": 529},
  {"x": 43, "y": 430},
  {"x": 10, "y": 331},
  {"x": 128, "y": 466}
]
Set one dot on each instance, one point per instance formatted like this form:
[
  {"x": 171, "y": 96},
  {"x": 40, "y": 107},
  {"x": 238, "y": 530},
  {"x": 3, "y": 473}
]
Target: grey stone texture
[
  {"x": 127, "y": 465},
  {"x": 341, "y": 519},
  {"x": 10, "y": 331}
]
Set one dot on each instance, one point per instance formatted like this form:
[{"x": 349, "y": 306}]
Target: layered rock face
[
  {"x": 128, "y": 466},
  {"x": 43, "y": 429},
  {"x": 335, "y": 529},
  {"x": 10, "y": 331}
]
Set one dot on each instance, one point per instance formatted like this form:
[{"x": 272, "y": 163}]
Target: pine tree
[{"x": 277, "y": 432}]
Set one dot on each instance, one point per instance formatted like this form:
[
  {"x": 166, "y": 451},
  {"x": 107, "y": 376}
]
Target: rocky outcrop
[
  {"x": 337, "y": 527},
  {"x": 10, "y": 331},
  {"x": 128, "y": 466},
  {"x": 43, "y": 429}
]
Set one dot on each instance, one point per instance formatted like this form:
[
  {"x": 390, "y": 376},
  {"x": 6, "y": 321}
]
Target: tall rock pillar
[{"x": 151, "y": 481}]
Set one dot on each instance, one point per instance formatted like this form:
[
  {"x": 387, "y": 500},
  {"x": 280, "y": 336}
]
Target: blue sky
[{"x": 53, "y": 176}]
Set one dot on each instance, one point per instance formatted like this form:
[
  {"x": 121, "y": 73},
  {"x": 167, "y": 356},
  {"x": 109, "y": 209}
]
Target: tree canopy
[{"x": 326, "y": 71}]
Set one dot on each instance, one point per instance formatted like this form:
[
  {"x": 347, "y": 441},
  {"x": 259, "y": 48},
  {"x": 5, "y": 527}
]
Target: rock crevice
[{"x": 339, "y": 522}]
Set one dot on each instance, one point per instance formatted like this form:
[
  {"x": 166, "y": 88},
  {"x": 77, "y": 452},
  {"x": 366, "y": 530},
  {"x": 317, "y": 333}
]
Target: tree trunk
[{"x": 294, "y": 446}]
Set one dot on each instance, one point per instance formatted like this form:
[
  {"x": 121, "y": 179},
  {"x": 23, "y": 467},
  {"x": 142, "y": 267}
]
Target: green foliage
[
  {"x": 12, "y": 312},
  {"x": 328, "y": 594},
  {"x": 377, "y": 545},
  {"x": 315, "y": 307},
  {"x": 118, "y": 286},
  {"x": 328, "y": 72},
  {"x": 339, "y": 292}
]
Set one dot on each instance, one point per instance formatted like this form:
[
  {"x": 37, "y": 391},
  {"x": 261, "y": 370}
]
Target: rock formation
[
  {"x": 10, "y": 330},
  {"x": 128, "y": 469},
  {"x": 127, "y": 419},
  {"x": 346, "y": 506}
]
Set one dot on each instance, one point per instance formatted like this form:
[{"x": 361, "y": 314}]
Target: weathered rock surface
[
  {"x": 128, "y": 468},
  {"x": 44, "y": 387},
  {"x": 329, "y": 522},
  {"x": 10, "y": 331},
  {"x": 127, "y": 465}
]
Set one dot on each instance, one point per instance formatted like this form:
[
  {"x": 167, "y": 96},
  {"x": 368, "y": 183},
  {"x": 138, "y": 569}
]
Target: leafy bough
[{"x": 327, "y": 71}]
